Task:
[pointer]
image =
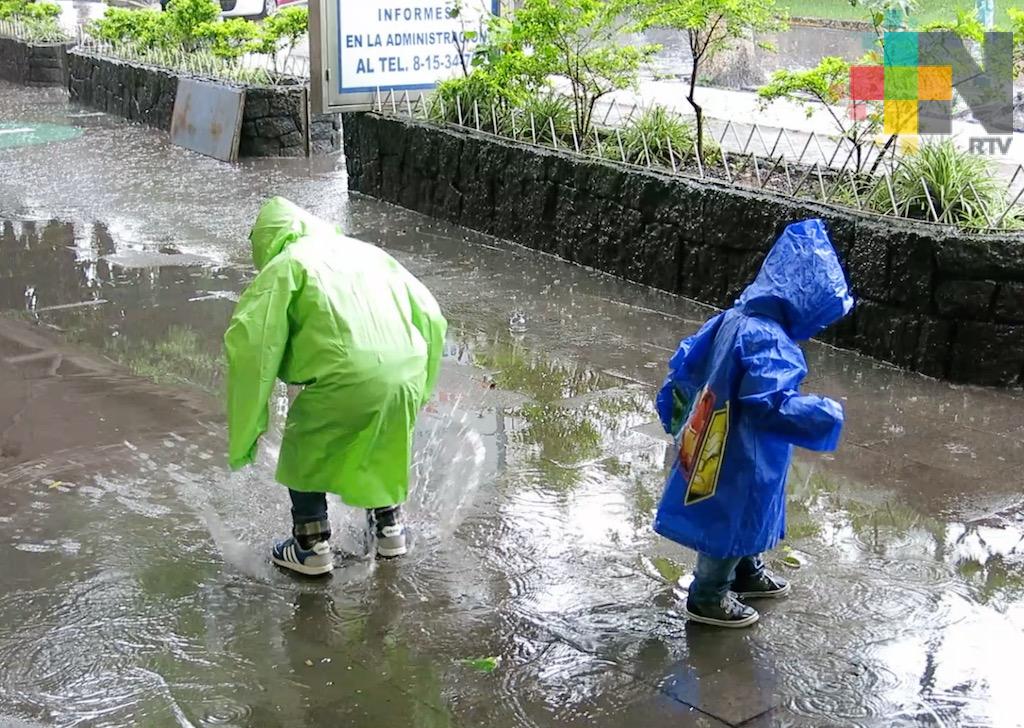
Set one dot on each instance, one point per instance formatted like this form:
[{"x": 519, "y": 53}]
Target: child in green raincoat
[{"x": 364, "y": 339}]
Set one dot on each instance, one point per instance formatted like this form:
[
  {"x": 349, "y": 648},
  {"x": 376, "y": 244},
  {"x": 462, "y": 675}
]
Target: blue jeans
[
  {"x": 712, "y": 577},
  {"x": 309, "y": 517}
]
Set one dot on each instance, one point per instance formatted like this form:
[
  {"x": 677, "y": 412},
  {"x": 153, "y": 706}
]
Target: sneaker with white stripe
[{"x": 313, "y": 561}]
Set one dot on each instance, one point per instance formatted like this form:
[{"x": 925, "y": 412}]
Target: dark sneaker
[
  {"x": 314, "y": 561},
  {"x": 388, "y": 531},
  {"x": 730, "y": 613},
  {"x": 765, "y": 586}
]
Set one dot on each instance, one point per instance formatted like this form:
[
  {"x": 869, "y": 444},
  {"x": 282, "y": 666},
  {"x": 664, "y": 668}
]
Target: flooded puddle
[{"x": 137, "y": 589}]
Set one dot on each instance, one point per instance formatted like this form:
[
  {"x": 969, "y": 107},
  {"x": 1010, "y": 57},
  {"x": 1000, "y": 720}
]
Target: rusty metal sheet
[{"x": 208, "y": 118}]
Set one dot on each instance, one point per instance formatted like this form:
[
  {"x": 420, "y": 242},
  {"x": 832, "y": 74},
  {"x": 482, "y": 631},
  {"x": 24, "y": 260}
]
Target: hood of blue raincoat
[
  {"x": 801, "y": 284},
  {"x": 279, "y": 223}
]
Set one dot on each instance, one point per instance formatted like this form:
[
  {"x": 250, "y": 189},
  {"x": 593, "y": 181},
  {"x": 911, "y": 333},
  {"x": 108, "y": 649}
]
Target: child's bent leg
[
  {"x": 750, "y": 567},
  {"x": 309, "y": 517}
]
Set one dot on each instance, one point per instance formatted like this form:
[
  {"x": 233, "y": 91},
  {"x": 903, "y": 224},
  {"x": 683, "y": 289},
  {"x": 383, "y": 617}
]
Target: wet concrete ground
[{"x": 136, "y": 588}]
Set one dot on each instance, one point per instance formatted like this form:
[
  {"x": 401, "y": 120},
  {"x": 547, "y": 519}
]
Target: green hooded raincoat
[{"x": 360, "y": 334}]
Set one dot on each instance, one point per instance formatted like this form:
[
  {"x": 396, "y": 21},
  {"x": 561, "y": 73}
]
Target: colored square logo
[
  {"x": 867, "y": 83},
  {"x": 900, "y": 117},
  {"x": 935, "y": 83},
  {"x": 900, "y": 49},
  {"x": 900, "y": 83},
  {"x": 935, "y": 117}
]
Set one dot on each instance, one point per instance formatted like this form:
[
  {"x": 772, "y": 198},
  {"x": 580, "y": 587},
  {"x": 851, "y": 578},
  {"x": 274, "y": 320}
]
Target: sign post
[{"x": 363, "y": 50}]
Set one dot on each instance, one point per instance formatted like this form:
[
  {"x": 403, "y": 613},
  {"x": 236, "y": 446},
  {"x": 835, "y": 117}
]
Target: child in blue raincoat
[{"x": 732, "y": 401}]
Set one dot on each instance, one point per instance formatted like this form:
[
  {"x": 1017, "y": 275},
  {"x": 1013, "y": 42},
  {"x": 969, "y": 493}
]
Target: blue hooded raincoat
[{"x": 737, "y": 383}]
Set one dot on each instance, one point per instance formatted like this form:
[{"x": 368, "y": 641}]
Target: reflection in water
[{"x": 137, "y": 592}]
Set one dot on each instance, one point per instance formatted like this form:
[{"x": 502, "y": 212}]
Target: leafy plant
[
  {"x": 186, "y": 21},
  {"x": 711, "y": 26},
  {"x": 962, "y": 188},
  {"x": 37, "y": 21},
  {"x": 460, "y": 100},
  {"x": 232, "y": 38},
  {"x": 966, "y": 26},
  {"x": 887, "y": 14},
  {"x": 578, "y": 41},
  {"x": 144, "y": 29},
  {"x": 828, "y": 83},
  {"x": 545, "y": 112},
  {"x": 657, "y": 136},
  {"x": 282, "y": 31},
  {"x": 1017, "y": 27}
]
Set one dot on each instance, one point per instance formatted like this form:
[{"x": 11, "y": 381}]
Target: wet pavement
[{"x": 136, "y": 588}]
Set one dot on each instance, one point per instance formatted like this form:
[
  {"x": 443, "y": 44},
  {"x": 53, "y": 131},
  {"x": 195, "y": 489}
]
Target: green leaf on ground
[{"x": 483, "y": 664}]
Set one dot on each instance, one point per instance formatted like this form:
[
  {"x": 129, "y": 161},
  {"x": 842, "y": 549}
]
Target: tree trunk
[{"x": 697, "y": 110}]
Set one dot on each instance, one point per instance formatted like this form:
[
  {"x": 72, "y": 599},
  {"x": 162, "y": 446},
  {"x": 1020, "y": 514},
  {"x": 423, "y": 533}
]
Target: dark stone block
[
  {"x": 988, "y": 354},
  {"x": 867, "y": 263},
  {"x": 1010, "y": 303},
  {"x": 887, "y": 333},
  {"x": 275, "y": 126},
  {"x": 742, "y": 220},
  {"x": 288, "y": 103},
  {"x": 257, "y": 106},
  {"x": 999, "y": 257},
  {"x": 321, "y": 131},
  {"x": 322, "y": 147},
  {"x": 965, "y": 299},
  {"x": 933, "y": 347}
]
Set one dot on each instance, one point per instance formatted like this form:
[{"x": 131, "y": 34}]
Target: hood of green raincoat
[
  {"x": 801, "y": 284},
  {"x": 279, "y": 223}
]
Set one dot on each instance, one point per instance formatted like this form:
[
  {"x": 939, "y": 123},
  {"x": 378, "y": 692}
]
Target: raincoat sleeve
[
  {"x": 774, "y": 367},
  {"x": 255, "y": 342},
  {"x": 683, "y": 378},
  {"x": 427, "y": 318}
]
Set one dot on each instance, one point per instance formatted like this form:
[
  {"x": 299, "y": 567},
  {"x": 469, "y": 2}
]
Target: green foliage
[
  {"x": 829, "y": 84},
  {"x": 143, "y": 29},
  {"x": 191, "y": 37},
  {"x": 455, "y": 99},
  {"x": 544, "y": 112},
  {"x": 886, "y": 14},
  {"x": 657, "y": 135},
  {"x": 578, "y": 41},
  {"x": 185, "y": 21},
  {"x": 282, "y": 31},
  {"x": 966, "y": 26},
  {"x": 1017, "y": 27},
  {"x": 37, "y": 21},
  {"x": 230, "y": 39},
  {"x": 964, "y": 187},
  {"x": 711, "y": 26}
]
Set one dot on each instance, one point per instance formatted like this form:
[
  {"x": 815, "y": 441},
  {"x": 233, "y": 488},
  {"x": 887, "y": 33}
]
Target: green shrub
[
  {"x": 964, "y": 188},
  {"x": 185, "y": 21},
  {"x": 232, "y": 38},
  {"x": 647, "y": 139},
  {"x": 282, "y": 31},
  {"x": 546, "y": 111},
  {"x": 142, "y": 29},
  {"x": 460, "y": 100},
  {"x": 39, "y": 21}
]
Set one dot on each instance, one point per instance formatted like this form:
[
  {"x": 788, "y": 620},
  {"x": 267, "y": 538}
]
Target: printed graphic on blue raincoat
[{"x": 732, "y": 401}]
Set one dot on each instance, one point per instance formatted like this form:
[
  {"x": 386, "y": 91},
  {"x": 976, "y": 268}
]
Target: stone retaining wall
[
  {"x": 929, "y": 299},
  {"x": 275, "y": 121},
  {"x": 33, "y": 64}
]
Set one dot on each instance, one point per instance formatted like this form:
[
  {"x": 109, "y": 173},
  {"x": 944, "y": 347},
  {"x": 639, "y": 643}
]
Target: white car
[{"x": 244, "y": 8}]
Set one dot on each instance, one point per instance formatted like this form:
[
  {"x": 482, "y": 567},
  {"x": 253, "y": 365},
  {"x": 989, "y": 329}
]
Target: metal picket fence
[{"x": 807, "y": 166}]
